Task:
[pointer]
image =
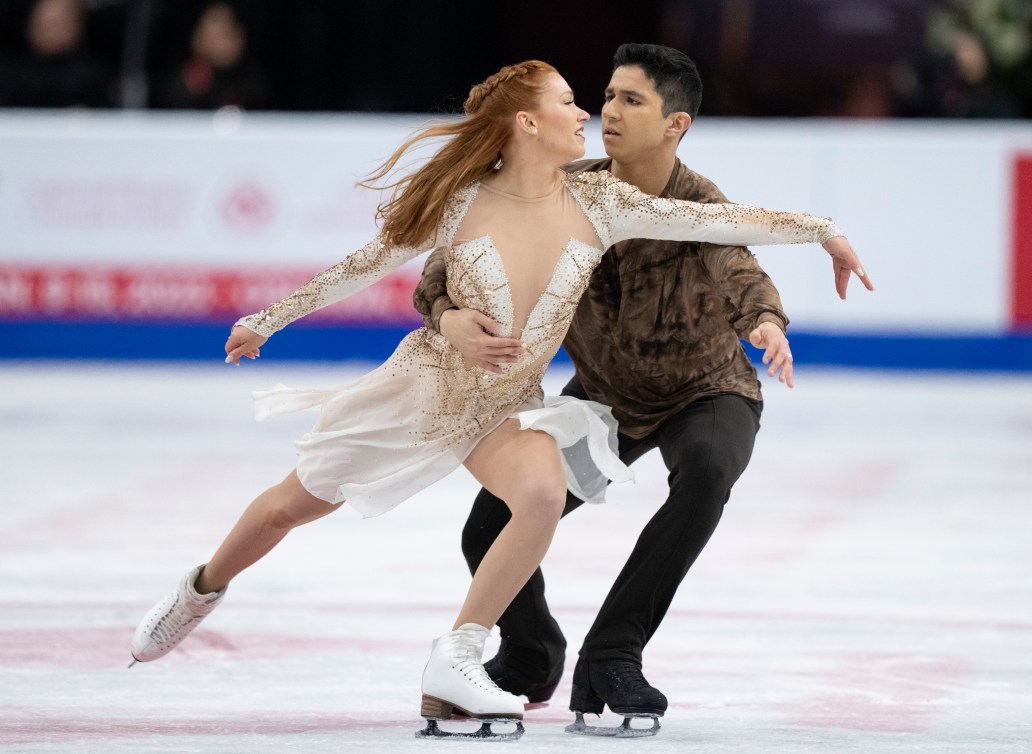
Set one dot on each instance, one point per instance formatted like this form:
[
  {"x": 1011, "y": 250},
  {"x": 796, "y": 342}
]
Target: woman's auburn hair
[{"x": 472, "y": 150}]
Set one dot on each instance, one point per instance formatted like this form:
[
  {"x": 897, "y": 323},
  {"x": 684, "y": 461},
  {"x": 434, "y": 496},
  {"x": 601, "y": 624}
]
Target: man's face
[{"x": 632, "y": 117}]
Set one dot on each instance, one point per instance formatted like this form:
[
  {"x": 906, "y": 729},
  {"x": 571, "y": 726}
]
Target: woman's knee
[{"x": 542, "y": 498}]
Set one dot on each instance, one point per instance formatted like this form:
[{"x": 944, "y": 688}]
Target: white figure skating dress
[{"x": 525, "y": 264}]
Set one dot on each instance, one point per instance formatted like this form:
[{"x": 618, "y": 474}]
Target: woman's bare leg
[
  {"x": 524, "y": 468},
  {"x": 262, "y": 526}
]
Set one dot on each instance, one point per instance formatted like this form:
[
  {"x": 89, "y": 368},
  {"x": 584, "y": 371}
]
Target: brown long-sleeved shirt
[{"x": 660, "y": 324}]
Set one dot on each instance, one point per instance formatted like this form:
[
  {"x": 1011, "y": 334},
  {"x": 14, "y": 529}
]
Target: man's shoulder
[
  {"x": 685, "y": 183},
  {"x": 590, "y": 165}
]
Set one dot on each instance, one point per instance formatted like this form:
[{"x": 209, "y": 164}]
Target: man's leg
[{"x": 706, "y": 448}]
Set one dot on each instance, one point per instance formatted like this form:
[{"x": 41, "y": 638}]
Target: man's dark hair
[{"x": 671, "y": 71}]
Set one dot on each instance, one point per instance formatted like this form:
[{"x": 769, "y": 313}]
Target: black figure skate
[
  {"x": 619, "y": 684},
  {"x": 524, "y": 674}
]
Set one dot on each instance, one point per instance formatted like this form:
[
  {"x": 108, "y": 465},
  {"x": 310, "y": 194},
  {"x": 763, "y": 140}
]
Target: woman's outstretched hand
[
  {"x": 845, "y": 262},
  {"x": 243, "y": 342}
]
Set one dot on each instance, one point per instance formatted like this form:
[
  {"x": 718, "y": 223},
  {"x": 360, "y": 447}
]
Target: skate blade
[
  {"x": 484, "y": 733},
  {"x": 624, "y": 730}
]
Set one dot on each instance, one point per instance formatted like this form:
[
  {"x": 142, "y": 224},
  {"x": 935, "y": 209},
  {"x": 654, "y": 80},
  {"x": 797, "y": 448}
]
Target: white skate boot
[
  {"x": 171, "y": 620},
  {"x": 456, "y": 686}
]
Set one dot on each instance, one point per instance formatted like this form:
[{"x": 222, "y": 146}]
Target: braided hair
[{"x": 472, "y": 149}]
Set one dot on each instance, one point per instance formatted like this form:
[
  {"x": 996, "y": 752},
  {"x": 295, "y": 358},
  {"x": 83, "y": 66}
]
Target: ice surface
[{"x": 868, "y": 590}]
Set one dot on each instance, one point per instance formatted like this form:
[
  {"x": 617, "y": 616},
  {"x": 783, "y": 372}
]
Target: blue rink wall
[{"x": 204, "y": 342}]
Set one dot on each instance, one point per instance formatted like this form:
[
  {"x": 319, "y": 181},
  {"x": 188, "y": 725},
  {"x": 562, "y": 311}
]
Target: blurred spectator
[
  {"x": 792, "y": 58},
  {"x": 55, "y": 71},
  {"x": 969, "y": 90},
  {"x": 759, "y": 58},
  {"x": 975, "y": 60},
  {"x": 864, "y": 58},
  {"x": 867, "y": 95},
  {"x": 217, "y": 72}
]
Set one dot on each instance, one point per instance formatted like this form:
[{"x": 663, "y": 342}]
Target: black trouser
[{"x": 705, "y": 447}]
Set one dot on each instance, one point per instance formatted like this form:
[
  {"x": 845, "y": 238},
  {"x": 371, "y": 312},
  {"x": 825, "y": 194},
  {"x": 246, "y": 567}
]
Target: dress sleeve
[
  {"x": 359, "y": 270},
  {"x": 431, "y": 295},
  {"x": 633, "y": 214}
]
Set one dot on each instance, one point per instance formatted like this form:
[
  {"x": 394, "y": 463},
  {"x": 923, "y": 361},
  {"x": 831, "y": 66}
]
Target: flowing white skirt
[{"x": 378, "y": 440}]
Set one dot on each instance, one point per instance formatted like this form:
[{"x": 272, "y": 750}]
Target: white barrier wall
[
  {"x": 929, "y": 207},
  {"x": 201, "y": 208}
]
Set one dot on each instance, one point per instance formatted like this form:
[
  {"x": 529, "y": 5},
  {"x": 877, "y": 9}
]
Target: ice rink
[{"x": 869, "y": 589}]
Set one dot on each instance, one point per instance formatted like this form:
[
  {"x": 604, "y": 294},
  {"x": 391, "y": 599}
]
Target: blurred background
[
  {"x": 759, "y": 58},
  {"x": 174, "y": 165}
]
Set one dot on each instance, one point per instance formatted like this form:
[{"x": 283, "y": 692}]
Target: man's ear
[
  {"x": 526, "y": 122},
  {"x": 679, "y": 123}
]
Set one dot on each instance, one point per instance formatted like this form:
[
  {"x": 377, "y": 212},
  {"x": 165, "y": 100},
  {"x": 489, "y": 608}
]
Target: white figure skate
[
  {"x": 172, "y": 619},
  {"x": 456, "y": 687}
]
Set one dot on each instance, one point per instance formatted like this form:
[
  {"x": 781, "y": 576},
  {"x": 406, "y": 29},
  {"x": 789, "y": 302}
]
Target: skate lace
[
  {"x": 172, "y": 624},
  {"x": 628, "y": 676},
  {"x": 468, "y": 663}
]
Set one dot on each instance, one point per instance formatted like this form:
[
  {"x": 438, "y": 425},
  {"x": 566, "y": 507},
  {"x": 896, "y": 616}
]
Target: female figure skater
[{"x": 522, "y": 239}]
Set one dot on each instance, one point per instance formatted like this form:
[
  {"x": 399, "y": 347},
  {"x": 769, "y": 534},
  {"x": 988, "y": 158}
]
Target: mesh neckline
[{"x": 528, "y": 200}]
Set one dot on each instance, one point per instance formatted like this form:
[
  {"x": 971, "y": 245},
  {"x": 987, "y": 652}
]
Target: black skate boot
[
  {"x": 523, "y": 673},
  {"x": 620, "y": 685}
]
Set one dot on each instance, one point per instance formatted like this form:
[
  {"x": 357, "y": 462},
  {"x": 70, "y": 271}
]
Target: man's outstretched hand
[{"x": 776, "y": 353}]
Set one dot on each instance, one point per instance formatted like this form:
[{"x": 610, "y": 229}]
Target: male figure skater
[{"x": 657, "y": 338}]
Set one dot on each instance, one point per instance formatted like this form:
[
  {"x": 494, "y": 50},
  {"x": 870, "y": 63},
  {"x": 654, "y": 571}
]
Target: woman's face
[{"x": 560, "y": 123}]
